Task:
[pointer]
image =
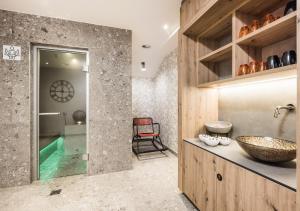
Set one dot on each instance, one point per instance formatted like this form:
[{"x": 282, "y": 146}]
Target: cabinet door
[
  {"x": 199, "y": 177},
  {"x": 240, "y": 189}
]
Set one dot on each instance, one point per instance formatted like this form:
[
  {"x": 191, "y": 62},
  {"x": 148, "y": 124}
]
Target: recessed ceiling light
[
  {"x": 47, "y": 63},
  {"x": 74, "y": 61},
  {"x": 143, "y": 66},
  {"x": 166, "y": 27},
  {"x": 146, "y": 46}
]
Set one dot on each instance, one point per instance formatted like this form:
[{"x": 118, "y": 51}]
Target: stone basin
[{"x": 220, "y": 127}]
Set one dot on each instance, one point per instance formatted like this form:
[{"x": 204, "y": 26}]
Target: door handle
[
  {"x": 219, "y": 176},
  {"x": 50, "y": 114}
]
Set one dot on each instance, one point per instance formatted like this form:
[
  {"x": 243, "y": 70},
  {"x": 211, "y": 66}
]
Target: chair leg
[
  {"x": 137, "y": 147},
  {"x": 136, "y": 151},
  {"x": 153, "y": 139},
  {"x": 160, "y": 142}
]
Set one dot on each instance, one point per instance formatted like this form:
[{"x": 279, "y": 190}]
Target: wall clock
[{"x": 62, "y": 91}]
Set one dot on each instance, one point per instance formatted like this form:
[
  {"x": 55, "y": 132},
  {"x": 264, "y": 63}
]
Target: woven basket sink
[{"x": 268, "y": 149}]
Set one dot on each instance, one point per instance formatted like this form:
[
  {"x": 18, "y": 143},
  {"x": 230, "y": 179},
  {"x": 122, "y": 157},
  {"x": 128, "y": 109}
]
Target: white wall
[{"x": 157, "y": 98}]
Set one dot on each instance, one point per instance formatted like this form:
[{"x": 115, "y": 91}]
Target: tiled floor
[{"x": 151, "y": 185}]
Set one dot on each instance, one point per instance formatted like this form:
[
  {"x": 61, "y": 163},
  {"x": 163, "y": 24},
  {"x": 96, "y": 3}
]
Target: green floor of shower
[{"x": 54, "y": 162}]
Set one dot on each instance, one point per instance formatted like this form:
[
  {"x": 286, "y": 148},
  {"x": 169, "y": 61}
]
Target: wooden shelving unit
[{"x": 221, "y": 51}]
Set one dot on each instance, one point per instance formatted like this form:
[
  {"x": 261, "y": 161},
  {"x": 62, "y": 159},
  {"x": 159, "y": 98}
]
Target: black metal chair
[{"x": 144, "y": 130}]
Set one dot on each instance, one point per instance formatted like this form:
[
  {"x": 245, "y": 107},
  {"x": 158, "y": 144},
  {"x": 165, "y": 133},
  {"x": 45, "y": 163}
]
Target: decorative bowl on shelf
[
  {"x": 268, "y": 149},
  {"x": 219, "y": 127}
]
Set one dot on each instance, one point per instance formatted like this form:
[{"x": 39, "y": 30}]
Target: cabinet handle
[{"x": 219, "y": 176}]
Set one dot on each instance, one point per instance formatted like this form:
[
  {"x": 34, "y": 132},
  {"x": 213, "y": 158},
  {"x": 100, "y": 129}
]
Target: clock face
[{"x": 62, "y": 91}]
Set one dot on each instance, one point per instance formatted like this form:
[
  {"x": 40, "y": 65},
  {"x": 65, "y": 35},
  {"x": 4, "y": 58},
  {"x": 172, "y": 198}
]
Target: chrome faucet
[{"x": 289, "y": 107}]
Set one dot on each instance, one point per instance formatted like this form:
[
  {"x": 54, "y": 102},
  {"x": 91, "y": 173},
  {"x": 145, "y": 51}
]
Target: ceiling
[{"x": 146, "y": 19}]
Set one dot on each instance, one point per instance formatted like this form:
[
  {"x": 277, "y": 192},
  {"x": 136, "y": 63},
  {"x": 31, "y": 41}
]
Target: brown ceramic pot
[
  {"x": 269, "y": 18},
  {"x": 262, "y": 66},
  {"x": 255, "y": 25},
  {"x": 253, "y": 67},
  {"x": 244, "y": 31},
  {"x": 244, "y": 69}
]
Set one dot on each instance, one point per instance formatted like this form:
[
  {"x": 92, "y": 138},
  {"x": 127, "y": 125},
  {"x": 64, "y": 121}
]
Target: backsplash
[{"x": 250, "y": 108}]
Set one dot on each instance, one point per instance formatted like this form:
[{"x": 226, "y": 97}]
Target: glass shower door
[{"x": 62, "y": 113}]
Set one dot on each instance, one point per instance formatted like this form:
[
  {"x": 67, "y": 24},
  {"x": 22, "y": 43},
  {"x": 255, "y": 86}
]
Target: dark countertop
[{"x": 283, "y": 173}]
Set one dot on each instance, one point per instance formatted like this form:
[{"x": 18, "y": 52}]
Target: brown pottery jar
[
  {"x": 244, "y": 31},
  {"x": 244, "y": 69},
  {"x": 262, "y": 66},
  {"x": 253, "y": 67},
  {"x": 255, "y": 25},
  {"x": 269, "y": 18}
]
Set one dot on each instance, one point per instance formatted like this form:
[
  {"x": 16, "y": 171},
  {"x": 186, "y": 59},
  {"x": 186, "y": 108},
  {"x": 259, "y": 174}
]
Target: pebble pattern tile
[
  {"x": 166, "y": 100},
  {"x": 157, "y": 98},
  {"x": 110, "y": 92},
  {"x": 150, "y": 186}
]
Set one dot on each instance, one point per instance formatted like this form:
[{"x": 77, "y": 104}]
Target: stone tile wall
[
  {"x": 158, "y": 97},
  {"x": 166, "y": 100}
]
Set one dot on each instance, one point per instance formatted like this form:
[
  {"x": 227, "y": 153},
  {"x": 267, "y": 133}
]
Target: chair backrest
[
  {"x": 142, "y": 121},
  {"x": 144, "y": 125}
]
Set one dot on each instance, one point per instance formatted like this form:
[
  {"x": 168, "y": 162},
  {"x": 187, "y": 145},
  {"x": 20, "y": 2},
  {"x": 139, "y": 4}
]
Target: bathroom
[{"x": 215, "y": 82}]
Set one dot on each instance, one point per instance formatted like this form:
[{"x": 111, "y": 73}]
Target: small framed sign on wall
[{"x": 11, "y": 52}]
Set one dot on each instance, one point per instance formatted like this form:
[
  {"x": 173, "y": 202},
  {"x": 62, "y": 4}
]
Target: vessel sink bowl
[
  {"x": 220, "y": 127},
  {"x": 268, "y": 149}
]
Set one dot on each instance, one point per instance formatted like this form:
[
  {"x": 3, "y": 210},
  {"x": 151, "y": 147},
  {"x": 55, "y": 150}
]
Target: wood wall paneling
[
  {"x": 298, "y": 104},
  {"x": 196, "y": 106}
]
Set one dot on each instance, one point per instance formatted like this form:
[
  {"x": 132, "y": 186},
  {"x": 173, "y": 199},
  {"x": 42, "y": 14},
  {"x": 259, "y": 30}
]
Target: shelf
[
  {"x": 260, "y": 8},
  {"x": 220, "y": 54},
  {"x": 279, "y": 30},
  {"x": 278, "y": 73},
  {"x": 211, "y": 13},
  {"x": 221, "y": 28}
]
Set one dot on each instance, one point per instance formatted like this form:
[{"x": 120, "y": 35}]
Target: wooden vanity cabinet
[
  {"x": 199, "y": 173},
  {"x": 215, "y": 184}
]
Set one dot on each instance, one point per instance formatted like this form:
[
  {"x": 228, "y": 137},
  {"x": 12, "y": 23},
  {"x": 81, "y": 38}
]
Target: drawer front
[{"x": 241, "y": 189}]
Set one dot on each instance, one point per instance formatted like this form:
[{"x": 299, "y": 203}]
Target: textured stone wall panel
[
  {"x": 158, "y": 98},
  {"x": 166, "y": 100},
  {"x": 110, "y": 92}
]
